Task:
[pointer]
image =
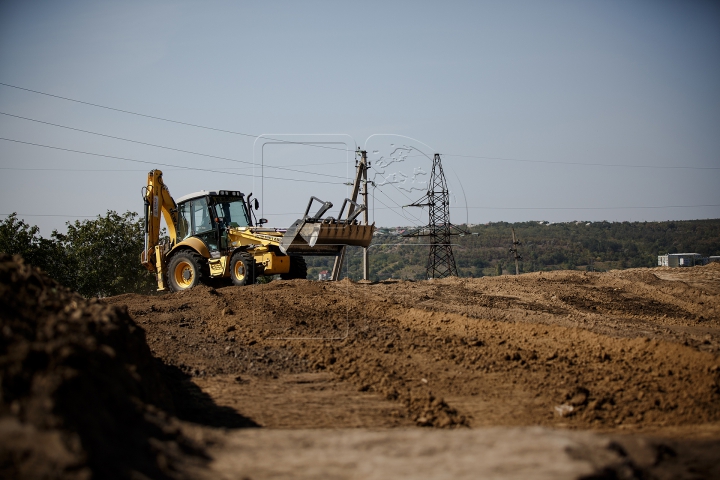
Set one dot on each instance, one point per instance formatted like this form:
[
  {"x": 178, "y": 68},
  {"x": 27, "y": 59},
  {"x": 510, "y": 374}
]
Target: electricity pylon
[{"x": 441, "y": 262}]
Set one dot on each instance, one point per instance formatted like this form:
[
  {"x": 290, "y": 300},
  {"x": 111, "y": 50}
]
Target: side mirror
[
  {"x": 262, "y": 221},
  {"x": 256, "y": 204}
]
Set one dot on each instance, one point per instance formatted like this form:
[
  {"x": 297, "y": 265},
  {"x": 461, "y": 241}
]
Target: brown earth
[
  {"x": 629, "y": 359},
  {"x": 632, "y": 351},
  {"x": 618, "y": 351},
  {"x": 82, "y": 395}
]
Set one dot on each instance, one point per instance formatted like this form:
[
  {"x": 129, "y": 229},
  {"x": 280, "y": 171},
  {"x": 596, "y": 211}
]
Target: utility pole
[
  {"x": 360, "y": 177},
  {"x": 514, "y": 250},
  {"x": 364, "y": 162},
  {"x": 441, "y": 262}
]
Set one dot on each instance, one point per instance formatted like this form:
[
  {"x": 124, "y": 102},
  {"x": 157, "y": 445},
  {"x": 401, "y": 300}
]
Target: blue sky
[{"x": 622, "y": 83}]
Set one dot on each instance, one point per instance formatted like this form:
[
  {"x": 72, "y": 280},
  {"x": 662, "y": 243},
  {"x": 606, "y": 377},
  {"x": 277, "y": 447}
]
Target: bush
[{"x": 97, "y": 258}]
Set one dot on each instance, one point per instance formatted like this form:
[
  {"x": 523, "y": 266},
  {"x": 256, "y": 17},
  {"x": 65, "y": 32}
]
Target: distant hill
[{"x": 598, "y": 246}]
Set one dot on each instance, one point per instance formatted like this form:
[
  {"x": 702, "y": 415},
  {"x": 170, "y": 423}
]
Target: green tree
[
  {"x": 19, "y": 238},
  {"x": 103, "y": 255}
]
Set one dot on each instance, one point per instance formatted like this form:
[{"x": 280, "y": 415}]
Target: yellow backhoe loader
[{"x": 215, "y": 234}]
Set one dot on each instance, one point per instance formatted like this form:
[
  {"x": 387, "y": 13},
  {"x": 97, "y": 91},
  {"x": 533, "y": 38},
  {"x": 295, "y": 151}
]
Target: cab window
[
  {"x": 233, "y": 211},
  {"x": 202, "y": 221},
  {"x": 184, "y": 221}
]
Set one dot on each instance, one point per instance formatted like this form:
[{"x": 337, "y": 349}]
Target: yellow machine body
[{"x": 271, "y": 249}]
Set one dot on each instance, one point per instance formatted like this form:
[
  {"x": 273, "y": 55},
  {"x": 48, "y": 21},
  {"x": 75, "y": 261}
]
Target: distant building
[
  {"x": 681, "y": 260},
  {"x": 713, "y": 258},
  {"x": 323, "y": 275}
]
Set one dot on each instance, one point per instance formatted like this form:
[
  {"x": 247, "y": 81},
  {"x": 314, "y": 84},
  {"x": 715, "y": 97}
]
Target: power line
[
  {"x": 48, "y": 215},
  {"x": 164, "y": 164},
  {"x": 393, "y": 183},
  {"x": 582, "y": 163},
  {"x": 127, "y": 169},
  {"x": 164, "y": 147},
  {"x": 393, "y": 209},
  {"x": 310, "y": 144},
  {"x": 98, "y": 169},
  {"x": 571, "y": 208},
  {"x": 398, "y": 205},
  {"x": 78, "y": 169},
  {"x": 587, "y": 208},
  {"x": 172, "y": 121}
]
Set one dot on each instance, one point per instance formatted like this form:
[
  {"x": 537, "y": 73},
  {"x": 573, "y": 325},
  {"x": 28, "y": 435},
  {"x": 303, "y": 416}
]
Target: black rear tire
[
  {"x": 242, "y": 269},
  {"x": 185, "y": 271},
  {"x": 298, "y": 269}
]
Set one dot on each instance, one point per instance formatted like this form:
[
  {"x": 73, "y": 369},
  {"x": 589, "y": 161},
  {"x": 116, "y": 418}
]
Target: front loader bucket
[
  {"x": 321, "y": 238},
  {"x": 312, "y": 235}
]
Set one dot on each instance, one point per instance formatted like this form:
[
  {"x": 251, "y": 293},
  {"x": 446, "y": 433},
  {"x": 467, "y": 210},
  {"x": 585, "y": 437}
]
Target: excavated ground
[
  {"x": 632, "y": 351},
  {"x": 544, "y": 375},
  {"x": 82, "y": 395}
]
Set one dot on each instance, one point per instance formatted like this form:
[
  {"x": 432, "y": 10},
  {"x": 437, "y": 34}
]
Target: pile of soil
[
  {"x": 625, "y": 350},
  {"x": 82, "y": 395}
]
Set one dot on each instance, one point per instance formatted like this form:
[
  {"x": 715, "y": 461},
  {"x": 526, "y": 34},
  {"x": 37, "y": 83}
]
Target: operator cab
[{"x": 208, "y": 214}]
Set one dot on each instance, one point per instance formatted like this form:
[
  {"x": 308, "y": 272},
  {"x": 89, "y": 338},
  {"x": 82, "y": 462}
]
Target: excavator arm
[{"x": 157, "y": 199}]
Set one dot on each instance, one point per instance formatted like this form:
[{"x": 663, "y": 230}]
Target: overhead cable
[
  {"x": 164, "y": 164},
  {"x": 583, "y": 164},
  {"x": 587, "y": 208},
  {"x": 168, "y": 148},
  {"x": 310, "y": 144},
  {"x": 48, "y": 215},
  {"x": 570, "y": 208}
]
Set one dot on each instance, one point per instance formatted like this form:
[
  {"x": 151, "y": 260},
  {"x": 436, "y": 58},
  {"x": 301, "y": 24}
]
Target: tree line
[
  {"x": 101, "y": 256},
  {"x": 592, "y": 246}
]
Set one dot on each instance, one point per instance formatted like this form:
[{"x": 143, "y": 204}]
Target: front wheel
[
  {"x": 242, "y": 269},
  {"x": 184, "y": 271}
]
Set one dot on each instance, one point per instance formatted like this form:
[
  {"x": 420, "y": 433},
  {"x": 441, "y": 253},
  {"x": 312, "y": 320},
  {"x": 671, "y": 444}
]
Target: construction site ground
[
  {"x": 561, "y": 374},
  {"x": 453, "y": 376}
]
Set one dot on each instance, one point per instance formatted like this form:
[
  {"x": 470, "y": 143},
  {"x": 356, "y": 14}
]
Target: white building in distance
[{"x": 681, "y": 260}]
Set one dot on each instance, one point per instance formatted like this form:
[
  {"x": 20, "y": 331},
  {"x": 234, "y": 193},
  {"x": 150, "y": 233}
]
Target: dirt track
[{"x": 563, "y": 374}]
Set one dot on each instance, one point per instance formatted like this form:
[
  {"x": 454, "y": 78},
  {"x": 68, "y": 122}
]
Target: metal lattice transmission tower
[{"x": 441, "y": 262}]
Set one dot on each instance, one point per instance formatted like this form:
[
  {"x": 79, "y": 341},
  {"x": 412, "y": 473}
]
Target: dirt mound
[
  {"x": 608, "y": 351},
  {"x": 82, "y": 395},
  {"x": 639, "y": 275}
]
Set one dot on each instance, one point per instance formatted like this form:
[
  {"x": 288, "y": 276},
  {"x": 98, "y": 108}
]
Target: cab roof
[{"x": 205, "y": 193}]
